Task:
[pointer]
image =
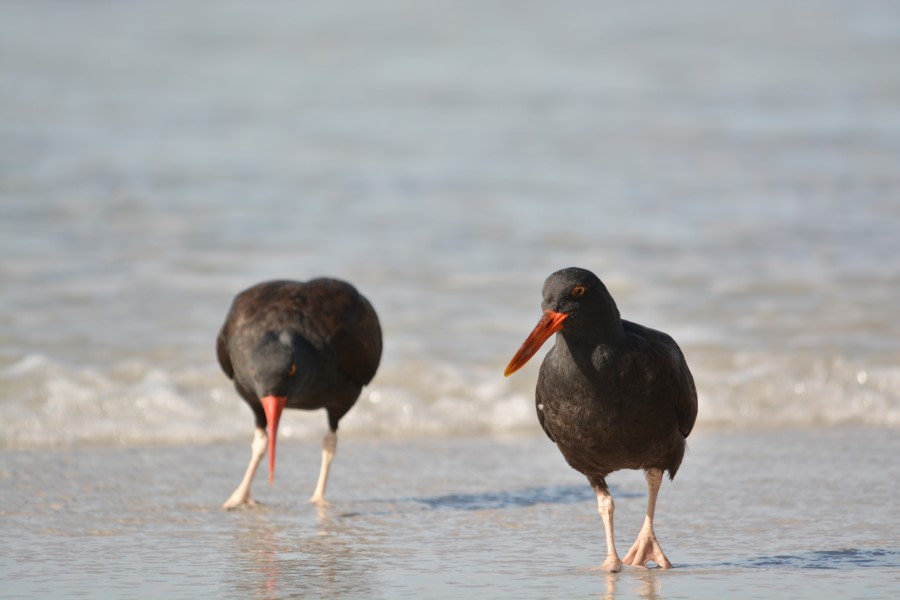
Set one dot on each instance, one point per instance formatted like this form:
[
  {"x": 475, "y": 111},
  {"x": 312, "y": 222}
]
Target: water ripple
[
  {"x": 845, "y": 558},
  {"x": 565, "y": 494}
]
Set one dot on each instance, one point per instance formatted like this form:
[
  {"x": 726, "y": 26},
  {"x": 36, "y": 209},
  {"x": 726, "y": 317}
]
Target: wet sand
[{"x": 753, "y": 514}]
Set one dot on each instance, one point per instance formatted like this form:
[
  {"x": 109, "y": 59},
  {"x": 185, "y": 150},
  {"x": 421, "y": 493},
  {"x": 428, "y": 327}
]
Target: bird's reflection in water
[
  {"x": 257, "y": 550},
  {"x": 611, "y": 580},
  {"x": 295, "y": 555},
  {"x": 645, "y": 583},
  {"x": 325, "y": 518},
  {"x": 649, "y": 585}
]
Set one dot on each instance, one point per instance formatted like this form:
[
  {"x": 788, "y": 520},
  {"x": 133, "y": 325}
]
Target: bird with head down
[{"x": 291, "y": 344}]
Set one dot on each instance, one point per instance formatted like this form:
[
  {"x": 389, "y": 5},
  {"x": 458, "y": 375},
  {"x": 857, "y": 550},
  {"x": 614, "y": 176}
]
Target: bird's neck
[
  {"x": 577, "y": 351},
  {"x": 592, "y": 331}
]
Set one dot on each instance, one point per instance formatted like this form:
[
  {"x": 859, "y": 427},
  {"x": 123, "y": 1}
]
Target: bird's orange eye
[
  {"x": 578, "y": 290},
  {"x": 293, "y": 370}
]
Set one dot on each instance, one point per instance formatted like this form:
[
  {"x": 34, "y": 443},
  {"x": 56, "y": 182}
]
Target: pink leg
[
  {"x": 646, "y": 548},
  {"x": 329, "y": 445},
  {"x": 241, "y": 496},
  {"x": 606, "y": 508}
]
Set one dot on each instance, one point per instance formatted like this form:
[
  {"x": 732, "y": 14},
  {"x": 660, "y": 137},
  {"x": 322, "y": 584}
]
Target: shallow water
[{"x": 792, "y": 513}]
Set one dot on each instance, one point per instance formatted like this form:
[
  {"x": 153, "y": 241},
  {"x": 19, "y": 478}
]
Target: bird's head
[
  {"x": 279, "y": 362},
  {"x": 573, "y": 299},
  {"x": 276, "y": 364}
]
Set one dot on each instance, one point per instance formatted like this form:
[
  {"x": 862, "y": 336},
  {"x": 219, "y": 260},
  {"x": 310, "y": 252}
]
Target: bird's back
[{"x": 329, "y": 314}]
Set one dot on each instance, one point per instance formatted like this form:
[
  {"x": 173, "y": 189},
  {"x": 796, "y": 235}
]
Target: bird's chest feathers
[{"x": 599, "y": 383}]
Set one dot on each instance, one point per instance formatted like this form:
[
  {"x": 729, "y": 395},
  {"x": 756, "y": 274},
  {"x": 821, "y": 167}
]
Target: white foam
[
  {"x": 768, "y": 390},
  {"x": 48, "y": 403},
  {"x": 54, "y": 404}
]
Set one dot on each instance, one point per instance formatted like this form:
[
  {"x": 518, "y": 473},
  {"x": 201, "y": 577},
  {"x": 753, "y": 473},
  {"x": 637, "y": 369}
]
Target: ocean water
[
  {"x": 729, "y": 169},
  {"x": 732, "y": 178}
]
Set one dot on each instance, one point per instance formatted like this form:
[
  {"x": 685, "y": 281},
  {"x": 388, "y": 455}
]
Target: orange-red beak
[
  {"x": 273, "y": 405},
  {"x": 549, "y": 324}
]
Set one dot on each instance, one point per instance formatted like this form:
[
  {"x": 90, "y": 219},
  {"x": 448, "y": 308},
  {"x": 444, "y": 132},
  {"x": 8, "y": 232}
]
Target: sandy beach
[{"x": 794, "y": 513}]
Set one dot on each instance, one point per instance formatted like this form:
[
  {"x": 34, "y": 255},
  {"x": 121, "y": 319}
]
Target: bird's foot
[
  {"x": 319, "y": 500},
  {"x": 239, "y": 502},
  {"x": 612, "y": 564},
  {"x": 644, "y": 550}
]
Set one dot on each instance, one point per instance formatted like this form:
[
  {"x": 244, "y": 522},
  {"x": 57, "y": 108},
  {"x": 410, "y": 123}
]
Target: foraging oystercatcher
[{"x": 290, "y": 344}]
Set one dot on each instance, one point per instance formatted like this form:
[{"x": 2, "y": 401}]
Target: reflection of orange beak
[
  {"x": 273, "y": 405},
  {"x": 549, "y": 324}
]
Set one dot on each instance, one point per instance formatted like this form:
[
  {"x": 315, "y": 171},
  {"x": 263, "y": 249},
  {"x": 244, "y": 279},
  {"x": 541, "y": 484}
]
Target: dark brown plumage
[
  {"x": 290, "y": 344},
  {"x": 612, "y": 394}
]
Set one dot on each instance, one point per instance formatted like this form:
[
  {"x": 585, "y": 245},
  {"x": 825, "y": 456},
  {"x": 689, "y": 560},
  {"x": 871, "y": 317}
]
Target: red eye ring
[{"x": 578, "y": 290}]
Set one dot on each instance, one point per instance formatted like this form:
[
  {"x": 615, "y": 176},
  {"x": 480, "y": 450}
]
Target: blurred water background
[{"x": 729, "y": 170}]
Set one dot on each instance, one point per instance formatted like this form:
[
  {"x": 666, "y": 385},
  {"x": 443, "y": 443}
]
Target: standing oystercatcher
[{"x": 613, "y": 395}]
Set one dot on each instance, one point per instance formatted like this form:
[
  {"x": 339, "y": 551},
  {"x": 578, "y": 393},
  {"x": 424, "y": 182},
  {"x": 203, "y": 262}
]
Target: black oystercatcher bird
[
  {"x": 288, "y": 344},
  {"x": 613, "y": 395}
]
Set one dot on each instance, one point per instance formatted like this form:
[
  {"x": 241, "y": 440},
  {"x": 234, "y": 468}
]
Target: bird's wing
[
  {"x": 347, "y": 325},
  {"x": 539, "y": 397},
  {"x": 686, "y": 404},
  {"x": 222, "y": 354},
  {"x": 683, "y": 390},
  {"x": 358, "y": 342},
  {"x": 672, "y": 367}
]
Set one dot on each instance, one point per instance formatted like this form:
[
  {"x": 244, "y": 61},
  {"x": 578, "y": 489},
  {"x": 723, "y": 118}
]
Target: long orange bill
[
  {"x": 549, "y": 324},
  {"x": 273, "y": 405}
]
